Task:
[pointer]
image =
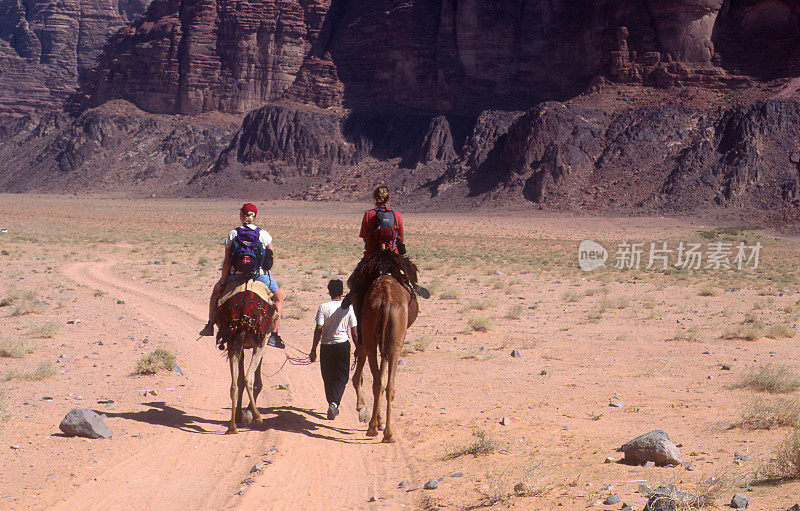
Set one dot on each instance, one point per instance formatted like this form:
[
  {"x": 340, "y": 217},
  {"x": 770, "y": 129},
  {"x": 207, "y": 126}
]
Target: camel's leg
[
  {"x": 358, "y": 383},
  {"x": 372, "y": 429},
  {"x": 384, "y": 379},
  {"x": 234, "y": 361},
  {"x": 241, "y": 417},
  {"x": 391, "y": 362},
  {"x": 255, "y": 362},
  {"x": 257, "y": 386}
]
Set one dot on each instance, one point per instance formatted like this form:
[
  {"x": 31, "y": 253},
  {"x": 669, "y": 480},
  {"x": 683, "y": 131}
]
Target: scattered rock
[
  {"x": 796, "y": 507},
  {"x": 667, "y": 499},
  {"x": 649, "y": 464},
  {"x": 725, "y": 367},
  {"x": 688, "y": 466},
  {"x": 739, "y": 456},
  {"x": 516, "y": 354},
  {"x": 505, "y": 421},
  {"x": 73, "y": 321},
  {"x": 612, "y": 499},
  {"x": 542, "y": 373},
  {"x": 616, "y": 403},
  {"x": 150, "y": 393},
  {"x": 644, "y": 489},
  {"x": 521, "y": 488},
  {"x": 258, "y": 467},
  {"x": 609, "y": 459},
  {"x": 283, "y": 386},
  {"x": 177, "y": 369},
  {"x": 47, "y": 398},
  {"x": 373, "y": 499},
  {"x": 432, "y": 484},
  {"x": 16, "y": 447},
  {"x": 457, "y": 474},
  {"x": 655, "y": 446},
  {"x": 403, "y": 483},
  {"x": 608, "y": 487},
  {"x": 105, "y": 401},
  {"x": 739, "y": 501},
  {"x": 84, "y": 423},
  {"x": 401, "y": 362}
]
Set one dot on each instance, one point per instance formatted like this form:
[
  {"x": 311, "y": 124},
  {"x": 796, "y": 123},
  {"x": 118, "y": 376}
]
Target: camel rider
[
  {"x": 381, "y": 229},
  {"x": 244, "y": 236}
]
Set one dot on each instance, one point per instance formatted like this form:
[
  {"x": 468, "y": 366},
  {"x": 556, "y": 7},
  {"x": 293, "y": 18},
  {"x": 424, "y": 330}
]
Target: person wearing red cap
[{"x": 247, "y": 216}]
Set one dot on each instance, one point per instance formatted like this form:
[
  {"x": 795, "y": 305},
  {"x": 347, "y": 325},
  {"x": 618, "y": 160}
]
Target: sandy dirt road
[{"x": 312, "y": 463}]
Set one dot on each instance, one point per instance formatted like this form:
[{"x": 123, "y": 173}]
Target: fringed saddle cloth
[{"x": 245, "y": 305}]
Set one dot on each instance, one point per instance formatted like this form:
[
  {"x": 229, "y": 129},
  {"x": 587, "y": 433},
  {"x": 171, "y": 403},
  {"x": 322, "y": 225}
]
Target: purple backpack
[{"x": 246, "y": 251}]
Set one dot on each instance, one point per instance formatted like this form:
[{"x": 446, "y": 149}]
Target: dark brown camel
[
  {"x": 387, "y": 311},
  {"x": 245, "y": 317}
]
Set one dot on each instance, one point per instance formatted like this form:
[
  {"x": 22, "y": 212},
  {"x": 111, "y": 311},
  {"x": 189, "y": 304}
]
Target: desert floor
[{"x": 88, "y": 286}]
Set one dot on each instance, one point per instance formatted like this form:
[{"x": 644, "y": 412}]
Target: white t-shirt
[
  {"x": 263, "y": 237},
  {"x": 335, "y": 322}
]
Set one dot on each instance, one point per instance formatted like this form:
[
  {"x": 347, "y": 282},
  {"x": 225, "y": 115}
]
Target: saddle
[{"x": 245, "y": 306}]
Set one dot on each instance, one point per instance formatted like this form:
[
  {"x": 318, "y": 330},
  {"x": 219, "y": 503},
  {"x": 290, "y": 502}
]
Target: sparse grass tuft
[
  {"x": 480, "y": 304},
  {"x": 46, "y": 330},
  {"x": 769, "y": 378},
  {"x": 422, "y": 343},
  {"x": 708, "y": 291},
  {"x": 747, "y": 332},
  {"x": 43, "y": 371},
  {"x": 4, "y": 413},
  {"x": 514, "y": 312},
  {"x": 482, "y": 446},
  {"x": 785, "y": 465},
  {"x": 691, "y": 334},
  {"x": 15, "y": 348},
  {"x": 570, "y": 296},
  {"x": 449, "y": 294},
  {"x": 159, "y": 359},
  {"x": 779, "y": 332},
  {"x": 764, "y": 414},
  {"x": 22, "y": 302},
  {"x": 479, "y": 324}
]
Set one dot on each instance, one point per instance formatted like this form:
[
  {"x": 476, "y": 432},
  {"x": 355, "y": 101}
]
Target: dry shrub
[
  {"x": 22, "y": 302},
  {"x": 45, "y": 330},
  {"x": 449, "y": 294},
  {"x": 531, "y": 481},
  {"x": 43, "y": 371},
  {"x": 481, "y": 446},
  {"x": 747, "y": 332},
  {"x": 691, "y": 334},
  {"x": 785, "y": 465},
  {"x": 479, "y": 324},
  {"x": 514, "y": 312},
  {"x": 708, "y": 291},
  {"x": 481, "y": 304},
  {"x": 769, "y": 378},
  {"x": 15, "y": 348},
  {"x": 157, "y": 360},
  {"x": 779, "y": 332},
  {"x": 764, "y": 414}
]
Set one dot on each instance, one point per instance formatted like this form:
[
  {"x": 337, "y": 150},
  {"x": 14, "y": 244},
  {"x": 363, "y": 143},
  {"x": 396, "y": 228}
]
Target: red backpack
[{"x": 384, "y": 230}]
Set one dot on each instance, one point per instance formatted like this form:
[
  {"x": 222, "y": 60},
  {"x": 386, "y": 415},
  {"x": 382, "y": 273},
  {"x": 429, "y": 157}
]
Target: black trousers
[{"x": 334, "y": 362}]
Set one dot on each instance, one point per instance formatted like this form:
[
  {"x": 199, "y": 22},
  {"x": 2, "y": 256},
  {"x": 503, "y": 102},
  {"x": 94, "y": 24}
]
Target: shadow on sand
[{"x": 290, "y": 419}]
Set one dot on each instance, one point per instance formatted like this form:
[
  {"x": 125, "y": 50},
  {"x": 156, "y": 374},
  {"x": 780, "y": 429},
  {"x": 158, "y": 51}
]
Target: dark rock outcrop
[
  {"x": 45, "y": 46},
  {"x": 431, "y": 55}
]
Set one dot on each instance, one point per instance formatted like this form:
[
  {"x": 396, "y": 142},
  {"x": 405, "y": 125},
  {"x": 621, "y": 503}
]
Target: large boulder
[
  {"x": 86, "y": 423},
  {"x": 655, "y": 446}
]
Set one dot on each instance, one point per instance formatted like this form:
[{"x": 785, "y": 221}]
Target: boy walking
[{"x": 333, "y": 324}]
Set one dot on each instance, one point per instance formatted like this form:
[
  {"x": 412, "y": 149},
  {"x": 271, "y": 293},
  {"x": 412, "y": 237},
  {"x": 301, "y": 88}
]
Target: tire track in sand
[{"x": 317, "y": 463}]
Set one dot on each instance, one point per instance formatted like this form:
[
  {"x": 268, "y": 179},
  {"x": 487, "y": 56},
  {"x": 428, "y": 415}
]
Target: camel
[
  {"x": 387, "y": 310},
  {"x": 244, "y": 317}
]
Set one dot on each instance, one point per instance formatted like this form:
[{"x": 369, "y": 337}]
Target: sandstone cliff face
[
  {"x": 433, "y": 55},
  {"x": 45, "y": 45}
]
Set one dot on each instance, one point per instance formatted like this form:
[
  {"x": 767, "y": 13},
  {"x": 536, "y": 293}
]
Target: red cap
[{"x": 249, "y": 208}]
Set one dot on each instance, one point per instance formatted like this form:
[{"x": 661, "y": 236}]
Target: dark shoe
[
  {"x": 333, "y": 411},
  {"x": 207, "y": 330},
  {"x": 275, "y": 341},
  {"x": 421, "y": 291}
]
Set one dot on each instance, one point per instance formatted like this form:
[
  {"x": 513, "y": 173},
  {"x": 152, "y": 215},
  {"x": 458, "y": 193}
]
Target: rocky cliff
[
  {"x": 45, "y": 45},
  {"x": 434, "y": 55}
]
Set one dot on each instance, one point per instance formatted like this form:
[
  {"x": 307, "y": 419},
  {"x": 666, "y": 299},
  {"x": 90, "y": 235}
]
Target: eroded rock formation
[{"x": 45, "y": 45}]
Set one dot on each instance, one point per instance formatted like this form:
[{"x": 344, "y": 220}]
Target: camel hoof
[
  {"x": 363, "y": 415},
  {"x": 247, "y": 417},
  {"x": 388, "y": 440},
  {"x": 231, "y": 431},
  {"x": 380, "y": 427},
  {"x": 372, "y": 432},
  {"x": 257, "y": 420}
]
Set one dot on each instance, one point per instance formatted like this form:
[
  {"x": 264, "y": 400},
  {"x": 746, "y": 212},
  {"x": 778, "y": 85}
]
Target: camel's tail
[{"x": 385, "y": 326}]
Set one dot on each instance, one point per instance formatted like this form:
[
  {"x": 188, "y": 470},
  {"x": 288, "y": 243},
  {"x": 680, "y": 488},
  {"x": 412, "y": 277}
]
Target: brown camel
[
  {"x": 244, "y": 317},
  {"x": 387, "y": 311}
]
